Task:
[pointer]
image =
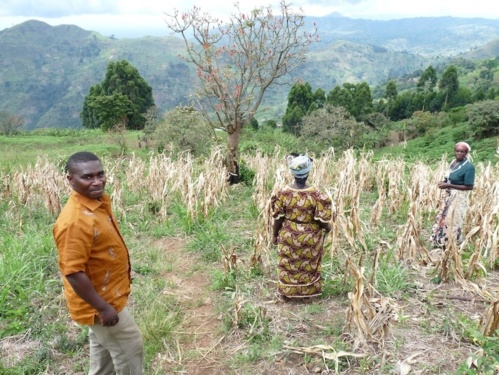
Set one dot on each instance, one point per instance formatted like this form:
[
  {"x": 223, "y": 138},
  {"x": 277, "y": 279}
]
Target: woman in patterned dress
[
  {"x": 301, "y": 215},
  {"x": 457, "y": 184}
]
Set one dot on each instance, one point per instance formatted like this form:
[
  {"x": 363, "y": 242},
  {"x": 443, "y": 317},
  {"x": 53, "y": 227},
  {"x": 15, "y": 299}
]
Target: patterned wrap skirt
[
  {"x": 450, "y": 218},
  {"x": 300, "y": 250}
]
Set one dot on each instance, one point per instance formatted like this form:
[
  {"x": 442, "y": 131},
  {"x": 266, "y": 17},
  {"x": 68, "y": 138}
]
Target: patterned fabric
[
  {"x": 300, "y": 240},
  {"x": 450, "y": 217}
]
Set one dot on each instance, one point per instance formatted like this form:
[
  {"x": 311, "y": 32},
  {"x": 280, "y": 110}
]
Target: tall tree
[
  {"x": 391, "y": 91},
  {"x": 390, "y": 94},
  {"x": 355, "y": 98},
  {"x": 238, "y": 61},
  {"x": 122, "y": 98},
  {"x": 363, "y": 101},
  {"x": 449, "y": 83},
  {"x": 300, "y": 100},
  {"x": 426, "y": 84},
  {"x": 319, "y": 98},
  {"x": 427, "y": 80}
]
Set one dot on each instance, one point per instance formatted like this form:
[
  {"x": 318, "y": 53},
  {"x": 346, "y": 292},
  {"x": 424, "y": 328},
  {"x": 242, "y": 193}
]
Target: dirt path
[{"x": 199, "y": 336}]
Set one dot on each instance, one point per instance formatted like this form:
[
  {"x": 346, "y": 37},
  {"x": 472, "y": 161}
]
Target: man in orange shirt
[{"x": 95, "y": 267}]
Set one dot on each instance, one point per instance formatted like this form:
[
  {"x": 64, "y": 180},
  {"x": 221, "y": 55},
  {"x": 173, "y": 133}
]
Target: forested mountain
[{"x": 45, "y": 71}]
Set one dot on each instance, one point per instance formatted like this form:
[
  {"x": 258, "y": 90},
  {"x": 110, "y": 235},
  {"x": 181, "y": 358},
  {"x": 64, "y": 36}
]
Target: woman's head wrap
[
  {"x": 463, "y": 144},
  {"x": 300, "y": 165}
]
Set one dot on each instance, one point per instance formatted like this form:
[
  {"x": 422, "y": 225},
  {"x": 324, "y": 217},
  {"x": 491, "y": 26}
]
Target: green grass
[
  {"x": 430, "y": 147},
  {"x": 392, "y": 277},
  {"x": 58, "y": 145},
  {"x": 32, "y": 307}
]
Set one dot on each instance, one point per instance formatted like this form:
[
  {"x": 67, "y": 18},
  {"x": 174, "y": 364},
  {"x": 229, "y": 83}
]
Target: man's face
[{"x": 88, "y": 179}]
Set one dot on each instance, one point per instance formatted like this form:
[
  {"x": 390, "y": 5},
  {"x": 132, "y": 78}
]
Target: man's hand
[
  {"x": 108, "y": 316},
  {"x": 82, "y": 285}
]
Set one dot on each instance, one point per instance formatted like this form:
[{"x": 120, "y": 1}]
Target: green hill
[{"x": 45, "y": 71}]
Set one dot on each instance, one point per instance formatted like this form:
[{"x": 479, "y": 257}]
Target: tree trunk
[{"x": 231, "y": 158}]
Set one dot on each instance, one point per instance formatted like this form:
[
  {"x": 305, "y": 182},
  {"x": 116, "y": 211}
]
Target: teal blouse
[{"x": 463, "y": 173}]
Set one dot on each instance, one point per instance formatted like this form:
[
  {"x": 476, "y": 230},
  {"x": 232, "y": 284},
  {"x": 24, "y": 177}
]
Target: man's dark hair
[{"x": 80, "y": 157}]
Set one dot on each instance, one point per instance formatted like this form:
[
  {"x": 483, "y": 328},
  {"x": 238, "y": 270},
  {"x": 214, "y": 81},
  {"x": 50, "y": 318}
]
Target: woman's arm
[
  {"x": 276, "y": 228},
  {"x": 447, "y": 185}
]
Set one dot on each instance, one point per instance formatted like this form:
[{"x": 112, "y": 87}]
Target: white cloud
[
  {"x": 132, "y": 18},
  {"x": 54, "y": 9}
]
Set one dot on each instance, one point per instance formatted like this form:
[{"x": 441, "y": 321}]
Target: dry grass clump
[{"x": 36, "y": 185}]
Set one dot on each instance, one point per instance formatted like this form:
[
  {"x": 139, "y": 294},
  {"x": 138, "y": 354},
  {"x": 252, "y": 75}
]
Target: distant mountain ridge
[
  {"x": 45, "y": 71},
  {"x": 428, "y": 36}
]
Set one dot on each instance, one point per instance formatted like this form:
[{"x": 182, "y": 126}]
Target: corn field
[{"x": 366, "y": 195}]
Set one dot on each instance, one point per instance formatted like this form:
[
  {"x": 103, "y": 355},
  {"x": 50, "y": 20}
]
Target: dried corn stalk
[
  {"x": 261, "y": 197},
  {"x": 369, "y": 314},
  {"x": 381, "y": 178},
  {"x": 490, "y": 322},
  {"x": 409, "y": 245},
  {"x": 451, "y": 263},
  {"x": 230, "y": 259}
]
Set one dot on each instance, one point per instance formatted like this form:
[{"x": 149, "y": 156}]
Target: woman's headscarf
[{"x": 300, "y": 165}]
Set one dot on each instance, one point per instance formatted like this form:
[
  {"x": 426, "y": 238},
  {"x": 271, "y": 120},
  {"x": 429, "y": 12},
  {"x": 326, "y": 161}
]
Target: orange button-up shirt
[{"x": 88, "y": 240}]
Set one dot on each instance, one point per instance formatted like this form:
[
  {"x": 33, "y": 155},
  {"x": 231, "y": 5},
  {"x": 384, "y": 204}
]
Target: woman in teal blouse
[{"x": 457, "y": 184}]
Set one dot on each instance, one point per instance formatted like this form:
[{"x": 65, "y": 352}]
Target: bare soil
[
  {"x": 424, "y": 335},
  {"x": 200, "y": 335}
]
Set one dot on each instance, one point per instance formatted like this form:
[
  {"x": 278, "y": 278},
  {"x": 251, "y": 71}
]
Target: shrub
[
  {"x": 483, "y": 118},
  {"x": 185, "y": 130}
]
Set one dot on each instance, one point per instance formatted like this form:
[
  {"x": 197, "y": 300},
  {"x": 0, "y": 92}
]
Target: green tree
[
  {"x": 405, "y": 105},
  {"x": 319, "y": 98},
  {"x": 272, "y": 124},
  {"x": 428, "y": 80},
  {"x": 254, "y": 124},
  {"x": 300, "y": 102},
  {"x": 355, "y": 98},
  {"x": 449, "y": 83},
  {"x": 462, "y": 97},
  {"x": 340, "y": 97},
  {"x": 122, "y": 98},
  {"x": 390, "y": 94},
  {"x": 237, "y": 61},
  {"x": 426, "y": 85},
  {"x": 363, "y": 101},
  {"x": 291, "y": 121}
]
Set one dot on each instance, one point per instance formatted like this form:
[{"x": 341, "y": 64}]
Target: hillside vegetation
[{"x": 45, "y": 72}]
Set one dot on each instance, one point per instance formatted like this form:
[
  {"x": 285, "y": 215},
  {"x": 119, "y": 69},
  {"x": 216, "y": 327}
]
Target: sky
[{"x": 138, "y": 18}]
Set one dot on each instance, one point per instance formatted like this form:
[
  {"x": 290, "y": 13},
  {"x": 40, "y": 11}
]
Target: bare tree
[
  {"x": 10, "y": 123},
  {"x": 237, "y": 61}
]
